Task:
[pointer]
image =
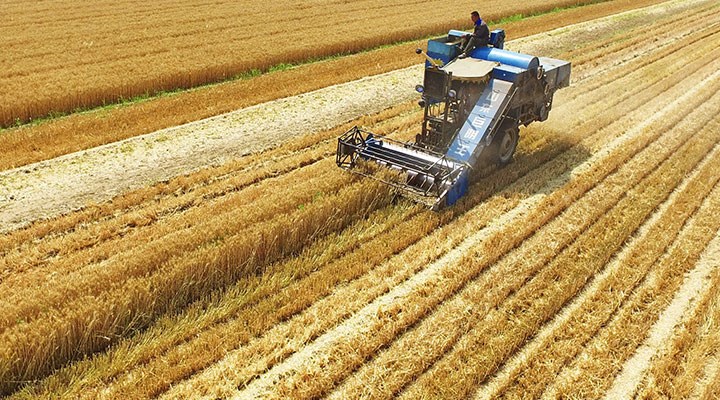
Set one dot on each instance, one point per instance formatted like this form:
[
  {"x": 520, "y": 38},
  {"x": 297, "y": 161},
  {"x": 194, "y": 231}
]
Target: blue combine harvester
[{"x": 473, "y": 107}]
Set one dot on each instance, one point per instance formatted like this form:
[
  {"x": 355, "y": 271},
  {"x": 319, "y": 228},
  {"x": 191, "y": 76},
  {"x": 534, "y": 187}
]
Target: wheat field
[{"x": 587, "y": 268}]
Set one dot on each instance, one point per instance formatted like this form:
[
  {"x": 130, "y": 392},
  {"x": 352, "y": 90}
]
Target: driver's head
[{"x": 474, "y": 16}]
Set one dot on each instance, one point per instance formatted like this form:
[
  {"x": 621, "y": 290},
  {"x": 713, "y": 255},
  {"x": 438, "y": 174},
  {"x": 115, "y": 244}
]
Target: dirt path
[{"x": 50, "y": 188}]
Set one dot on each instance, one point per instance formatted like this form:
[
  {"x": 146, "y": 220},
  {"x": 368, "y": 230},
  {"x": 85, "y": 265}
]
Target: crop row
[
  {"x": 324, "y": 170},
  {"x": 456, "y": 317},
  {"x": 628, "y": 328},
  {"x": 689, "y": 355},
  {"x": 541, "y": 360},
  {"x": 225, "y": 374}
]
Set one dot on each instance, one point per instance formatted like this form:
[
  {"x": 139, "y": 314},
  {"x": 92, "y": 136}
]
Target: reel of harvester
[{"x": 421, "y": 174}]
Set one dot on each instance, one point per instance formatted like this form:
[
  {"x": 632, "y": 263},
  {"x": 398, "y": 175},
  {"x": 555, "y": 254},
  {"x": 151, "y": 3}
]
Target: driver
[{"x": 480, "y": 36}]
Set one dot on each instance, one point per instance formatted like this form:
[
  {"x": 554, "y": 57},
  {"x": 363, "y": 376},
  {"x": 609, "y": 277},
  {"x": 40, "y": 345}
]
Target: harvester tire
[{"x": 505, "y": 143}]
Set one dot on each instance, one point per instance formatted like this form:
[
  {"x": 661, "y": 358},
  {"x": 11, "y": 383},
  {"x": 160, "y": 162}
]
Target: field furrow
[{"x": 676, "y": 370}]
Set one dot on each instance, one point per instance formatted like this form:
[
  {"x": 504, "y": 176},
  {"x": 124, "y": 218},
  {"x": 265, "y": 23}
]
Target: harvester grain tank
[{"x": 473, "y": 110}]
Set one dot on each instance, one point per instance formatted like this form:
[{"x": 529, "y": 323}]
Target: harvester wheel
[{"x": 505, "y": 143}]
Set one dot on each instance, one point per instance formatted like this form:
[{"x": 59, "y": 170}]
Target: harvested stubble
[
  {"x": 687, "y": 358},
  {"x": 94, "y": 242},
  {"x": 133, "y": 378},
  {"x": 181, "y": 193},
  {"x": 224, "y": 378},
  {"x": 536, "y": 367},
  {"x": 629, "y": 326},
  {"x": 387, "y": 326},
  {"x": 80, "y": 131},
  {"x": 182, "y": 222},
  {"x": 425, "y": 228},
  {"x": 393, "y": 370}
]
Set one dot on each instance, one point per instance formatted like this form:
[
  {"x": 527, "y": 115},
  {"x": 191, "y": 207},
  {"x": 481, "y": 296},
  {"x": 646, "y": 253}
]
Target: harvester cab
[{"x": 473, "y": 110}]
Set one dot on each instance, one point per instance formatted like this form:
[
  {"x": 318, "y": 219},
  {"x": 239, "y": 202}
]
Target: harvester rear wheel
[{"x": 505, "y": 143}]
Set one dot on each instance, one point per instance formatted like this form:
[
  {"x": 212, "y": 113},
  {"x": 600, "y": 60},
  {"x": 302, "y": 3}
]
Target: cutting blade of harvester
[{"x": 419, "y": 174}]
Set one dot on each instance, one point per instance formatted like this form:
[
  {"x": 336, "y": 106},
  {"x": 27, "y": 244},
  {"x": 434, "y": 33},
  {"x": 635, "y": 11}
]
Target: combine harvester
[{"x": 473, "y": 106}]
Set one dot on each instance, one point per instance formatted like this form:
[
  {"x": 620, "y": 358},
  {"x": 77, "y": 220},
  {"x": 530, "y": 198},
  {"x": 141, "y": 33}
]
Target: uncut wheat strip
[
  {"x": 159, "y": 354},
  {"x": 530, "y": 368},
  {"x": 393, "y": 371},
  {"x": 22, "y": 302},
  {"x": 618, "y": 339},
  {"x": 32, "y": 349},
  {"x": 191, "y": 146},
  {"x": 96, "y": 241},
  {"x": 687, "y": 356},
  {"x": 486, "y": 345},
  {"x": 368, "y": 314},
  {"x": 131, "y": 241}
]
